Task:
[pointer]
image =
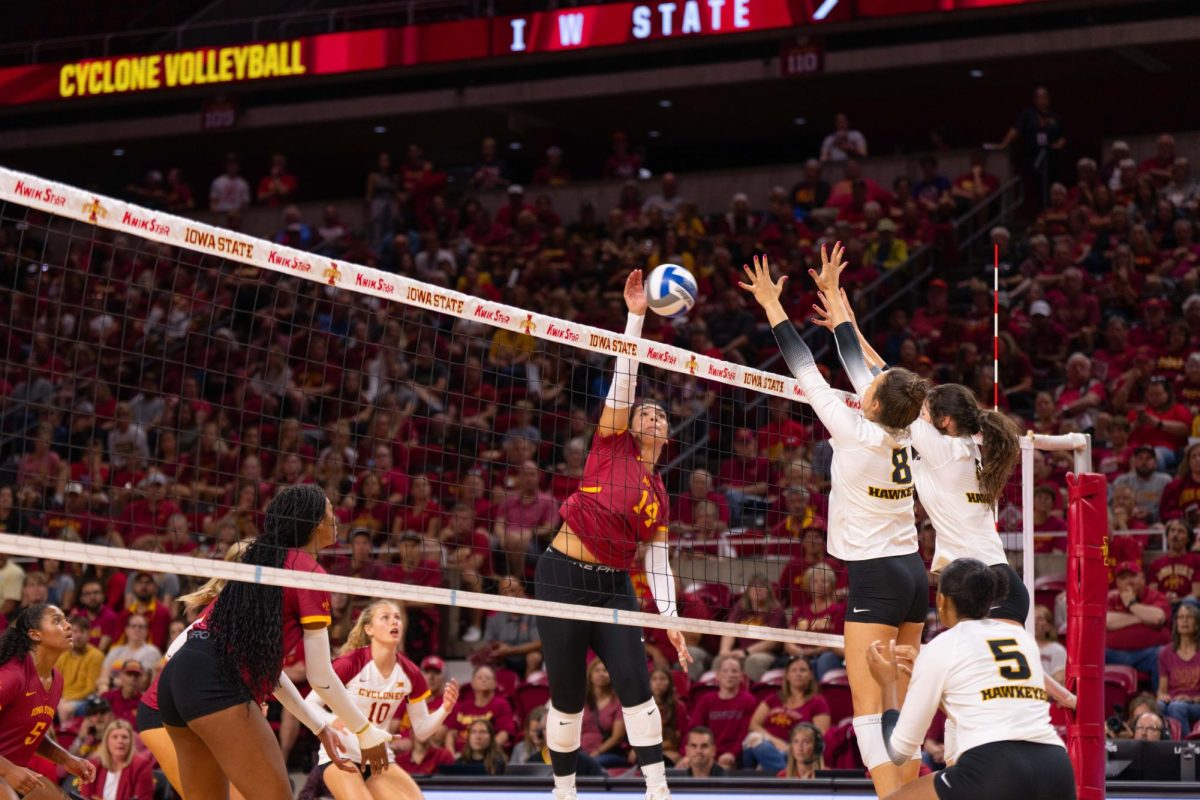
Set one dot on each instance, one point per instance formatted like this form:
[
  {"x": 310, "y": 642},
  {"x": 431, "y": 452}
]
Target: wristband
[{"x": 362, "y": 730}]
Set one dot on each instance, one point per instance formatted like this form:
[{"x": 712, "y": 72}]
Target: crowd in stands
[{"x": 153, "y": 400}]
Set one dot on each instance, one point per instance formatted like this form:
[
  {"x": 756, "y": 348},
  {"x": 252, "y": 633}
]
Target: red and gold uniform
[{"x": 26, "y": 708}]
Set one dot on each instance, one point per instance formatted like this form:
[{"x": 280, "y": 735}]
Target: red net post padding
[{"x": 1087, "y": 593}]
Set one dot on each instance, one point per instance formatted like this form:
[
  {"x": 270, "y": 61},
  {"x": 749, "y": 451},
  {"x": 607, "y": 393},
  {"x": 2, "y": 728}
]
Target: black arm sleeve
[
  {"x": 795, "y": 352},
  {"x": 851, "y": 353}
]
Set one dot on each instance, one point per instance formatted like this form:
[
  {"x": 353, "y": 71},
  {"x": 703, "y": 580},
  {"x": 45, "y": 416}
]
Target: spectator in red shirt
[
  {"x": 758, "y": 605},
  {"x": 1136, "y": 622},
  {"x": 930, "y": 320},
  {"x": 727, "y": 711},
  {"x": 145, "y": 604},
  {"x": 970, "y": 188},
  {"x": 700, "y": 489},
  {"x": 1082, "y": 396},
  {"x": 1046, "y": 519},
  {"x": 1112, "y": 459},
  {"x": 104, "y": 626},
  {"x": 779, "y": 428},
  {"x": 422, "y": 757},
  {"x": 553, "y": 172},
  {"x": 799, "y": 700},
  {"x": 1163, "y": 424},
  {"x": 1176, "y": 573},
  {"x": 1116, "y": 355},
  {"x": 525, "y": 519},
  {"x": 622, "y": 164},
  {"x": 483, "y": 703},
  {"x": 745, "y": 478},
  {"x": 506, "y": 215},
  {"x": 1181, "y": 497},
  {"x": 278, "y": 186},
  {"x": 361, "y": 563},
  {"x": 1160, "y": 165},
  {"x": 125, "y": 698}
]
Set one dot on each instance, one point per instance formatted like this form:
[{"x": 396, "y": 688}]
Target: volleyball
[{"x": 671, "y": 290}]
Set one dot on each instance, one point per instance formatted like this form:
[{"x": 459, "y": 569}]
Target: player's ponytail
[
  {"x": 973, "y": 586},
  {"x": 211, "y": 589},
  {"x": 900, "y": 396},
  {"x": 247, "y": 620},
  {"x": 15, "y": 641},
  {"x": 358, "y": 634},
  {"x": 1001, "y": 438}
]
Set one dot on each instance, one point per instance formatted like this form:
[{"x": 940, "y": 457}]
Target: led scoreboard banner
[{"x": 574, "y": 29}]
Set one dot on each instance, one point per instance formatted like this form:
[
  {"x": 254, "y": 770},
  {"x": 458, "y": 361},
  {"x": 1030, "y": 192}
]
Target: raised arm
[
  {"x": 858, "y": 358},
  {"x": 614, "y": 418},
  {"x": 841, "y": 422}
]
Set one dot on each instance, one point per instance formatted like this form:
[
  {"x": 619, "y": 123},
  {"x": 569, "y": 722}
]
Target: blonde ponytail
[{"x": 208, "y": 591}]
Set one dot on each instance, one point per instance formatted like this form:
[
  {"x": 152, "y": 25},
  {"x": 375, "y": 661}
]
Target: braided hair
[
  {"x": 15, "y": 641},
  {"x": 247, "y": 620}
]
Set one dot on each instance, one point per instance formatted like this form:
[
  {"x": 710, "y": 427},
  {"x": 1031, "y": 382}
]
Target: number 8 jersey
[
  {"x": 379, "y": 697},
  {"x": 871, "y": 497}
]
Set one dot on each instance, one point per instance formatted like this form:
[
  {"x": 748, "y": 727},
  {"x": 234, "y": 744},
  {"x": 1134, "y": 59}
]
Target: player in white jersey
[
  {"x": 962, "y": 457},
  {"x": 987, "y": 676},
  {"x": 382, "y": 683},
  {"x": 871, "y": 525}
]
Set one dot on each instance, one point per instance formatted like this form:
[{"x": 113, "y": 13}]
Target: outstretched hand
[
  {"x": 884, "y": 661},
  {"x": 759, "y": 283},
  {"x": 635, "y": 293},
  {"x": 824, "y": 318},
  {"x": 833, "y": 263}
]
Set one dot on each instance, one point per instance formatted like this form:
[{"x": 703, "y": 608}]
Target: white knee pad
[
  {"x": 563, "y": 731},
  {"x": 868, "y": 730},
  {"x": 643, "y": 724}
]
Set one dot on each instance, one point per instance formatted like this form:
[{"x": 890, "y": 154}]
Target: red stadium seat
[
  {"x": 1195, "y": 732},
  {"x": 506, "y": 683},
  {"x": 682, "y": 682},
  {"x": 773, "y": 677},
  {"x": 1176, "y": 728},
  {"x": 529, "y": 696},
  {"x": 1120, "y": 684},
  {"x": 1047, "y": 588},
  {"x": 835, "y": 688}
]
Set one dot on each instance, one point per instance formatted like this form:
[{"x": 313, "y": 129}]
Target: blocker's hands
[
  {"x": 759, "y": 283},
  {"x": 833, "y": 263}
]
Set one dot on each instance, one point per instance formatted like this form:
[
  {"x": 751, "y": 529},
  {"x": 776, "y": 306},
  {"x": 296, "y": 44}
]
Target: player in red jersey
[
  {"x": 30, "y": 690},
  {"x": 149, "y": 720},
  {"x": 621, "y": 503},
  {"x": 234, "y": 654},
  {"x": 384, "y": 684}
]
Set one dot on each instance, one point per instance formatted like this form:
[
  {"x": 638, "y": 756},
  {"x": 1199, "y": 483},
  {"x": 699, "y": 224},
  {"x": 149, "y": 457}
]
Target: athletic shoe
[
  {"x": 658, "y": 793},
  {"x": 570, "y": 795},
  {"x": 473, "y": 634}
]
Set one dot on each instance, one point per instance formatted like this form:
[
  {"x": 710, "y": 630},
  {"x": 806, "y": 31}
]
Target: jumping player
[
  {"x": 30, "y": 690},
  {"x": 382, "y": 682},
  {"x": 621, "y": 502},
  {"x": 871, "y": 524},
  {"x": 987, "y": 675},
  {"x": 149, "y": 720},
  {"x": 233, "y": 656},
  {"x": 962, "y": 457}
]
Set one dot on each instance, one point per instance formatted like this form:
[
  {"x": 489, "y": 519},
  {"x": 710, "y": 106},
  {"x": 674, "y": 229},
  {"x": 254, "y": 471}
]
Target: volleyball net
[{"x": 165, "y": 378}]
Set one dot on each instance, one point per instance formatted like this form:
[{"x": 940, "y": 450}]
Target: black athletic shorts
[
  {"x": 888, "y": 591},
  {"x": 1014, "y": 606},
  {"x": 191, "y": 686},
  {"x": 1008, "y": 771},
  {"x": 148, "y": 719}
]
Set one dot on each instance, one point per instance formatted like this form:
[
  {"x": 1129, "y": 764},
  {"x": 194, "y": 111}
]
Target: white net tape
[{"x": 99, "y": 555}]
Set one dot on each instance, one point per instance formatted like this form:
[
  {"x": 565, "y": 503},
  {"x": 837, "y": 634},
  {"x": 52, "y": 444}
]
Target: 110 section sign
[{"x": 573, "y": 29}]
